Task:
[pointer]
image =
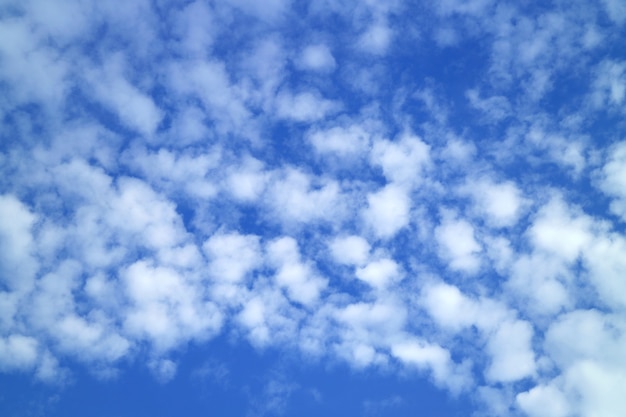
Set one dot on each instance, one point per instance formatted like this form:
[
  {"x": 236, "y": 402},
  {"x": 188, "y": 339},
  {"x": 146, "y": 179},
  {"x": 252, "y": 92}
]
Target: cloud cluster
[{"x": 171, "y": 171}]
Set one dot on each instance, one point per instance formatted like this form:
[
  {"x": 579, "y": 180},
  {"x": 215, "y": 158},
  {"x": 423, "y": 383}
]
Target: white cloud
[
  {"x": 166, "y": 308},
  {"x": 593, "y": 374},
  {"x": 610, "y": 84},
  {"x": 508, "y": 340},
  {"x": 616, "y": 10},
  {"x": 367, "y": 329},
  {"x": 243, "y": 192},
  {"x": 448, "y": 306},
  {"x": 434, "y": 358},
  {"x": 493, "y": 108},
  {"x": 196, "y": 27},
  {"x": 135, "y": 23},
  {"x": 458, "y": 150},
  {"x": 17, "y": 352},
  {"x": 606, "y": 266},
  {"x": 317, "y": 57},
  {"x": 134, "y": 108},
  {"x": 446, "y": 36},
  {"x": 360, "y": 355},
  {"x": 543, "y": 401},
  {"x": 274, "y": 400},
  {"x": 294, "y": 198},
  {"x": 346, "y": 141},
  {"x": 253, "y": 317},
  {"x": 350, "y": 250},
  {"x": 568, "y": 152},
  {"x": 209, "y": 82},
  {"x": 89, "y": 340},
  {"x": 378, "y": 407},
  {"x": 163, "y": 369},
  {"x": 603, "y": 339},
  {"x": 494, "y": 400},
  {"x": 150, "y": 217},
  {"x": 175, "y": 171},
  {"x": 454, "y": 310},
  {"x": 78, "y": 180},
  {"x": 421, "y": 354},
  {"x": 49, "y": 371},
  {"x": 267, "y": 317},
  {"x": 387, "y": 211},
  {"x": 500, "y": 204},
  {"x": 64, "y": 20},
  {"x": 404, "y": 161},
  {"x": 17, "y": 262},
  {"x": 189, "y": 127},
  {"x": 380, "y": 273},
  {"x": 52, "y": 298},
  {"x": 232, "y": 255},
  {"x": 500, "y": 251},
  {"x": 511, "y": 350},
  {"x": 560, "y": 231},
  {"x": 373, "y": 319},
  {"x": 265, "y": 67},
  {"x": 376, "y": 39},
  {"x": 299, "y": 279},
  {"x": 305, "y": 107},
  {"x": 270, "y": 10},
  {"x": 612, "y": 178},
  {"x": 540, "y": 280},
  {"x": 32, "y": 70},
  {"x": 103, "y": 290},
  {"x": 472, "y": 7},
  {"x": 247, "y": 181},
  {"x": 458, "y": 245},
  {"x": 600, "y": 390}
]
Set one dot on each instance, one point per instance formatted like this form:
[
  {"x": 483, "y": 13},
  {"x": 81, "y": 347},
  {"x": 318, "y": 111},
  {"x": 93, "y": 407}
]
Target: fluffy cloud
[
  {"x": 380, "y": 273},
  {"x": 133, "y": 107},
  {"x": 560, "y": 232},
  {"x": 615, "y": 10},
  {"x": 18, "y": 352},
  {"x": 295, "y": 198},
  {"x": 232, "y": 255},
  {"x": 610, "y": 85},
  {"x": 302, "y": 285},
  {"x": 402, "y": 162},
  {"x": 350, "y": 250},
  {"x": 304, "y": 107},
  {"x": 458, "y": 245},
  {"x": 512, "y": 354},
  {"x": 18, "y": 264},
  {"x": 508, "y": 340},
  {"x": 388, "y": 210},
  {"x": 543, "y": 401},
  {"x": 342, "y": 141},
  {"x": 317, "y": 57},
  {"x": 612, "y": 177},
  {"x": 499, "y": 204},
  {"x": 165, "y": 308}
]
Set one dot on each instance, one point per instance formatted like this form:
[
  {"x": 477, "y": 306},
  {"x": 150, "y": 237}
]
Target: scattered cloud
[{"x": 437, "y": 189}]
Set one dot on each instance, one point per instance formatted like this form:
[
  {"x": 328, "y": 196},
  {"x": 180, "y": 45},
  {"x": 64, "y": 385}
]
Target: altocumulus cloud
[{"x": 404, "y": 189}]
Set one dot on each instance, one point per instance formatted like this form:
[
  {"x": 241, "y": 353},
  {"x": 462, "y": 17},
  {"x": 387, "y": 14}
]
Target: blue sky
[{"x": 280, "y": 208}]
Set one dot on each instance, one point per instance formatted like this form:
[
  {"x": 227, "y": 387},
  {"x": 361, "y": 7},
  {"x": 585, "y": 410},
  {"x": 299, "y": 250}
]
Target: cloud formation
[{"x": 421, "y": 189}]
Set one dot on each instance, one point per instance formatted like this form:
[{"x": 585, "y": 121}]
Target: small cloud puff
[
  {"x": 350, "y": 250},
  {"x": 458, "y": 245},
  {"x": 318, "y": 58}
]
